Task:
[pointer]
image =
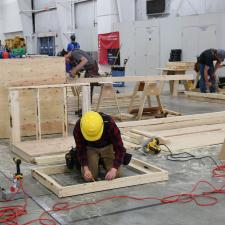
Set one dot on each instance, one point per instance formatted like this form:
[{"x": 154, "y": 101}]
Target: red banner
[{"x": 105, "y": 42}]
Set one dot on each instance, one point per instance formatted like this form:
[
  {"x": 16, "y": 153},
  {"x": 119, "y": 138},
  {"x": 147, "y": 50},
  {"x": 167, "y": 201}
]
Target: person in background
[
  {"x": 70, "y": 47},
  {"x": 81, "y": 60},
  {"x": 73, "y": 44},
  {"x": 207, "y": 69},
  {"x": 97, "y": 139}
]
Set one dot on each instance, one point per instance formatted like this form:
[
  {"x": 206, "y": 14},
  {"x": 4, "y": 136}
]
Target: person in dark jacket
[
  {"x": 207, "y": 69},
  {"x": 97, "y": 138}
]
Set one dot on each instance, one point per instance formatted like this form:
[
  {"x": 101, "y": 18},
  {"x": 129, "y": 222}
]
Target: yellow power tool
[{"x": 152, "y": 146}]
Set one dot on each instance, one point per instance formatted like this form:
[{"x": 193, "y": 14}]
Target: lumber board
[
  {"x": 221, "y": 155},
  {"x": 204, "y": 118},
  {"x": 185, "y": 139},
  {"x": 151, "y": 174},
  {"x": 151, "y": 78},
  {"x": 213, "y": 97}
]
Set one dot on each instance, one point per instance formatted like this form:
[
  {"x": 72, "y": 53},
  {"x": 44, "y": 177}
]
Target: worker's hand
[
  {"x": 87, "y": 174},
  {"x": 111, "y": 174}
]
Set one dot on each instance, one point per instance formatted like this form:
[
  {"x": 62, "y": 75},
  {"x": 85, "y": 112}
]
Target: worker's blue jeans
[{"x": 212, "y": 80}]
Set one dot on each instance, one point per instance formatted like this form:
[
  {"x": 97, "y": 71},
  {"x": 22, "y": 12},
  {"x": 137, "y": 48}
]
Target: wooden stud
[
  {"x": 14, "y": 107},
  {"x": 65, "y": 116},
  {"x": 86, "y": 100},
  {"x": 38, "y": 114},
  {"x": 149, "y": 174},
  {"x": 222, "y": 152}
]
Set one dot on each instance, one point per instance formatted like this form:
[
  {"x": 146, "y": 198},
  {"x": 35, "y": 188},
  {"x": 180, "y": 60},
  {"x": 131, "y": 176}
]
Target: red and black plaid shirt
[{"x": 111, "y": 135}]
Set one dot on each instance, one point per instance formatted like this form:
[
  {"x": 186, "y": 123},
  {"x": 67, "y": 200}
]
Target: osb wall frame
[{"x": 150, "y": 174}]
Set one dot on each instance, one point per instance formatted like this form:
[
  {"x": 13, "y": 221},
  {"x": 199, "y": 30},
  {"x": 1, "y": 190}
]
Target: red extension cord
[{"x": 10, "y": 214}]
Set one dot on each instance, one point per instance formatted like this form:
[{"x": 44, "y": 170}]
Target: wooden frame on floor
[{"x": 149, "y": 174}]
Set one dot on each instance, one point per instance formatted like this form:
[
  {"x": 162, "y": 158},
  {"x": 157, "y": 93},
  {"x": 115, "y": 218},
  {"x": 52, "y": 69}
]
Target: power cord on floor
[
  {"x": 186, "y": 156},
  {"x": 9, "y": 214}
]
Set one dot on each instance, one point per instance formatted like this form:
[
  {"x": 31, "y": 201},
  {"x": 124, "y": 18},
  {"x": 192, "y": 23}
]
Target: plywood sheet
[{"x": 29, "y": 71}]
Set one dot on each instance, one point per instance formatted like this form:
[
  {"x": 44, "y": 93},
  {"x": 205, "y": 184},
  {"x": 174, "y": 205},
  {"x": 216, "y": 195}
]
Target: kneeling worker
[{"x": 97, "y": 138}]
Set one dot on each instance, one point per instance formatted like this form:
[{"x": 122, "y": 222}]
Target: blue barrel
[
  {"x": 1, "y": 54},
  {"x": 118, "y": 71}
]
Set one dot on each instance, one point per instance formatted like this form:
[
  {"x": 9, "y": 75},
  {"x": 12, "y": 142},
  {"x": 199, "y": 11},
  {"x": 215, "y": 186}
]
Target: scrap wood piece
[
  {"x": 221, "y": 155},
  {"x": 147, "y": 174}
]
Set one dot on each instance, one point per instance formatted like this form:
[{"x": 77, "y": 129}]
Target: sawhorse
[
  {"x": 107, "y": 91},
  {"x": 148, "y": 90}
]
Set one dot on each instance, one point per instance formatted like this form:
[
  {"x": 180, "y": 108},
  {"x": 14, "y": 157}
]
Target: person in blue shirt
[
  {"x": 70, "y": 47},
  {"x": 73, "y": 44}
]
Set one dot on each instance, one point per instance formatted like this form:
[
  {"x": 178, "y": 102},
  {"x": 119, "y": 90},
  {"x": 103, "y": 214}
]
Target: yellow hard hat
[{"x": 92, "y": 126}]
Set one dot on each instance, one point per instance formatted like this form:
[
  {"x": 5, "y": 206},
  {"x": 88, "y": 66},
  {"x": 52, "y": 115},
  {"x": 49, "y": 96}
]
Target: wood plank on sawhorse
[
  {"x": 148, "y": 90},
  {"x": 107, "y": 91}
]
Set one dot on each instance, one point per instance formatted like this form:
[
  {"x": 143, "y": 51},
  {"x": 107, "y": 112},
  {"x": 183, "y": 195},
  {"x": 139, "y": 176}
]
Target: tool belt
[
  {"x": 72, "y": 161},
  {"x": 91, "y": 70}
]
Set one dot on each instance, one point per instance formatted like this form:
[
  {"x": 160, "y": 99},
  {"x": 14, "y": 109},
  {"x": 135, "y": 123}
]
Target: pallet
[{"x": 148, "y": 174}]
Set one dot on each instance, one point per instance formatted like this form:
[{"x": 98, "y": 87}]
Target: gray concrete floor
[{"x": 182, "y": 177}]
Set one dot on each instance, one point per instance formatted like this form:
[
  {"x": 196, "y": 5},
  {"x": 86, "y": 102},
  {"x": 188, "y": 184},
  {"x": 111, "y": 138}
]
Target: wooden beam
[
  {"x": 14, "y": 107},
  {"x": 48, "y": 86},
  {"x": 216, "y": 96},
  {"x": 86, "y": 101},
  {"x": 149, "y": 174},
  {"x": 135, "y": 78},
  {"x": 38, "y": 114},
  {"x": 65, "y": 116},
  {"x": 222, "y": 152},
  {"x": 204, "y": 118}
]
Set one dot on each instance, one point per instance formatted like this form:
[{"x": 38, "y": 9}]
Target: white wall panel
[
  {"x": 41, "y": 4},
  {"x": 85, "y": 14},
  {"x": 11, "y": 16},
  {"x": 192, "y": 34},
  {"x": 46, "y": 21},
  {"x": 183, "y": 7},
  {"x": 126, "y": 10}
]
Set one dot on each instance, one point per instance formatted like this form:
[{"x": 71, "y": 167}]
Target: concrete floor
[{"x": 182, "y": 177}]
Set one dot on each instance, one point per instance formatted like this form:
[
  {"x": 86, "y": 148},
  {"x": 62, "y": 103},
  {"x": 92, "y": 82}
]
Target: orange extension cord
[{"x": 9, "y": 215}]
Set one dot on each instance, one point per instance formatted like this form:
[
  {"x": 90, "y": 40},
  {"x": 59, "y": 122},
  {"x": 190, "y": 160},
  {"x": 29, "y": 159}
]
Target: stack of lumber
[
  {"x": 181, "y": 132},
  {"x": 32, "y": 71}
]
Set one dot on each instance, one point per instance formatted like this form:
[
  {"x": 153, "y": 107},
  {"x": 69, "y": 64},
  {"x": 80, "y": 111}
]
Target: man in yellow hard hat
[{"x": 97, "y": 138}]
